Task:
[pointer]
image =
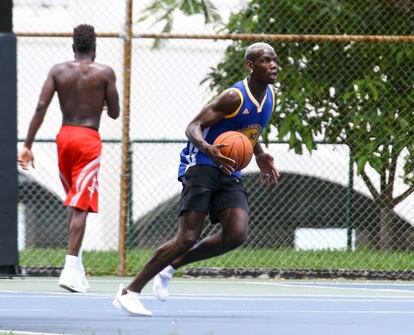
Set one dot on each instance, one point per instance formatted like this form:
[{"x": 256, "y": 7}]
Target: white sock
[
  {"x": 71, "y": 261},
  {"x": 134, "y": 294},
  {"x": 169, "y": 271},
  {"x": 80, "y": 265}
]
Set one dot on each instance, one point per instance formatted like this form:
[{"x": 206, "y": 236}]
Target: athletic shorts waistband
[{"x": 78, "y": 129}]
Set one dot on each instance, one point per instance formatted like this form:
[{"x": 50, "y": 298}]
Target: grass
[{"x": 106, "y": 262}]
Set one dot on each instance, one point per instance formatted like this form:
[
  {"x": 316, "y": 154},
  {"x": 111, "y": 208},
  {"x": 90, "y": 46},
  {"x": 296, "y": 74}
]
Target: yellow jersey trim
[
  {"x": 272, "y": 89},
  {"x": 252, "y": 98},
  {"x": 229, "y": 116}
]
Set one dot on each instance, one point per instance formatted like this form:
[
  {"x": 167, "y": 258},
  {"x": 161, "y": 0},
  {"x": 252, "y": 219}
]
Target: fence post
[
  {"x": 9, "y": 257},
  {"x": 130, "y": 232},
  {"x": 123, "y": 210},
  {"x": 349, "y": 204}
]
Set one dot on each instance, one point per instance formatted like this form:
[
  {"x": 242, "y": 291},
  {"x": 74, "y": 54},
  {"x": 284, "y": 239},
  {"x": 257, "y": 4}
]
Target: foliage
[
  {"x": 360, "y": 94},
  {"x": 162, "y": 11}
]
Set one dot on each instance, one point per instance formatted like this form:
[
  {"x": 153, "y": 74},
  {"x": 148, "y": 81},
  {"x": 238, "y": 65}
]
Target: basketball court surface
[{"x": 211, "y": 307}]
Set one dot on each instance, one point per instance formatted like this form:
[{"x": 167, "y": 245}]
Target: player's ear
[{"x": 249, "y": 65}]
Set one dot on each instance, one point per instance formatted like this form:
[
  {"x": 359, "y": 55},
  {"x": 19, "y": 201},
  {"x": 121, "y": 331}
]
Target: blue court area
[{"x": 212, "y": 307}]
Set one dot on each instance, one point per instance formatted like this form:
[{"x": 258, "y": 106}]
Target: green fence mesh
[{"x": 342, "y": 204}]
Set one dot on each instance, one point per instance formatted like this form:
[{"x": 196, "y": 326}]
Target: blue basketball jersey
[{"x": 249, "y": 118}]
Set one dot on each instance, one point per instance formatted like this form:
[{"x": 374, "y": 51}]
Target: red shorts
[{"x": 79, "y": 156}]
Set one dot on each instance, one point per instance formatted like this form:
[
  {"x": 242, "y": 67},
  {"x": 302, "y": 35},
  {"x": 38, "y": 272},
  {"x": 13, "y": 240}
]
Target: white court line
[
  {"x": 17, "y": 332},
  {"x": 309, "y": 285},
  {"x": 67, "y": 294},
  {"x": 221, "y": 297},
  {"x": 150, "y": 296},
  {"x": 312, "y": 285},
  {"x": 279, "y": 311},
  {"x": 27, "y": 309},
  {"x": 299, "y": 285},
  {"x": 349, "y": 283},
  {"x": 240, "y": 311},
  {"x": 290, "y": 298},
  {"x": 231, "y": 281},
  {"x": 287, "y": 282}
]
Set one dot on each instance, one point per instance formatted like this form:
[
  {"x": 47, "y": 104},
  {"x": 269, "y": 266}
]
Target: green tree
[
  {"x": 162, "y": 11},
  {"x": 360, "y": 94}
]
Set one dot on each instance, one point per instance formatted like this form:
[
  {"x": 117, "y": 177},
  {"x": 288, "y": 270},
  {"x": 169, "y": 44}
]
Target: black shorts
[{"x": 207, "y": 189}]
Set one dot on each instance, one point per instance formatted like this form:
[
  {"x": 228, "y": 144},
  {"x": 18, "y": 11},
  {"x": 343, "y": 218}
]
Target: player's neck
[
  {"x": 81, "y": 57},
  {"x": 257, "y": 88}
]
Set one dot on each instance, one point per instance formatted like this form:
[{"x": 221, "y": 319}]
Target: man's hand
[
  {"x": 268, "y": 172},
  {"x": 225, "y": 164},
  {"x": 25, "y": 158}
]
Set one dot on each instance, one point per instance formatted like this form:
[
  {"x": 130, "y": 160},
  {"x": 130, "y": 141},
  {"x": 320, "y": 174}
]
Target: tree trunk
[
  {"x": 366, "y": 238},
  {"x": 387, "y": 227}
]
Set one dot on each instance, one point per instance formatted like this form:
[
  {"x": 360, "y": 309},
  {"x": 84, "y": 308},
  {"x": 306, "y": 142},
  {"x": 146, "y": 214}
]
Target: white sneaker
[
  {"x": 71, "y": 280},
  {"x": 161, "y": 282},
  {"x": 85, "y": 283},
  {"x": 130, "y": 303},
  {"x": 115, "y": 302}
]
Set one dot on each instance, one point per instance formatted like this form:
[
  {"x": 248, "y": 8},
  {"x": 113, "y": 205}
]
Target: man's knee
[
  {"x": 191, "y": 226},
  {"x": 77, "y": 225},
  {"x": 237, "y": 237},
  {"x": 235, "y": 224},
  {"x": 186, "y": 241},
  {"x": 78, "y": 219}
]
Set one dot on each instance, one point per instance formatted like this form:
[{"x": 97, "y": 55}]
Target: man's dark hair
[{"x": 84, "y": 38}]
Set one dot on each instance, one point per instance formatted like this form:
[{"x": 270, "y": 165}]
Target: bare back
[{"x": 83, "y": 87}]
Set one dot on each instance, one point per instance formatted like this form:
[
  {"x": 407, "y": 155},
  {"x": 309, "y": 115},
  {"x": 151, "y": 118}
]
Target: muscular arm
[
  {"x": 268, "y": 172},
  {"x": 111, "y": 95},
  {"x": 257, "y": 149},
  {"x": 226, "y": 103},
  {"x": 25, "y": 156},
  {"x": 45, "y": 98}
]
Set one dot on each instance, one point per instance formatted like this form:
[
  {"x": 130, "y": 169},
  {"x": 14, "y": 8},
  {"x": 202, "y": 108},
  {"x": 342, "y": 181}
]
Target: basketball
[{"x": 238, "y": 148}]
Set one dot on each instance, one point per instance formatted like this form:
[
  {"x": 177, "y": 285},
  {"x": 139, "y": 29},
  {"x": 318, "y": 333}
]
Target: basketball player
[
  {"x": 210, "y": 183},
  {"x": 84, "y": 88}
]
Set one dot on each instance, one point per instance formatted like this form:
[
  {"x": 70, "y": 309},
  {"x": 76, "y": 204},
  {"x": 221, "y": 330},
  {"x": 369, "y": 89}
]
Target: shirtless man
[{"x": 84, "y": 88}]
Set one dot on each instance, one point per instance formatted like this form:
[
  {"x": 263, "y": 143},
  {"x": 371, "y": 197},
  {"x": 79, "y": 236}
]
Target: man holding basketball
[
  {"x": 211, "y": 186},
  {"x": 84, "y": 88}
]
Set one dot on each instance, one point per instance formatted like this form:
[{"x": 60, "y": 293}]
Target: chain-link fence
[{"x": 344, "y": 205}]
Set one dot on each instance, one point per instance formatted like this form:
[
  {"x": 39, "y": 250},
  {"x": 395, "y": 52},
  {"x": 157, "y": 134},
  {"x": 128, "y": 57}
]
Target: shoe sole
[
  {"x": 118, "y": 305},
  {"x": 158, "y": 297},
  {"x": 71, "y": 289}
]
